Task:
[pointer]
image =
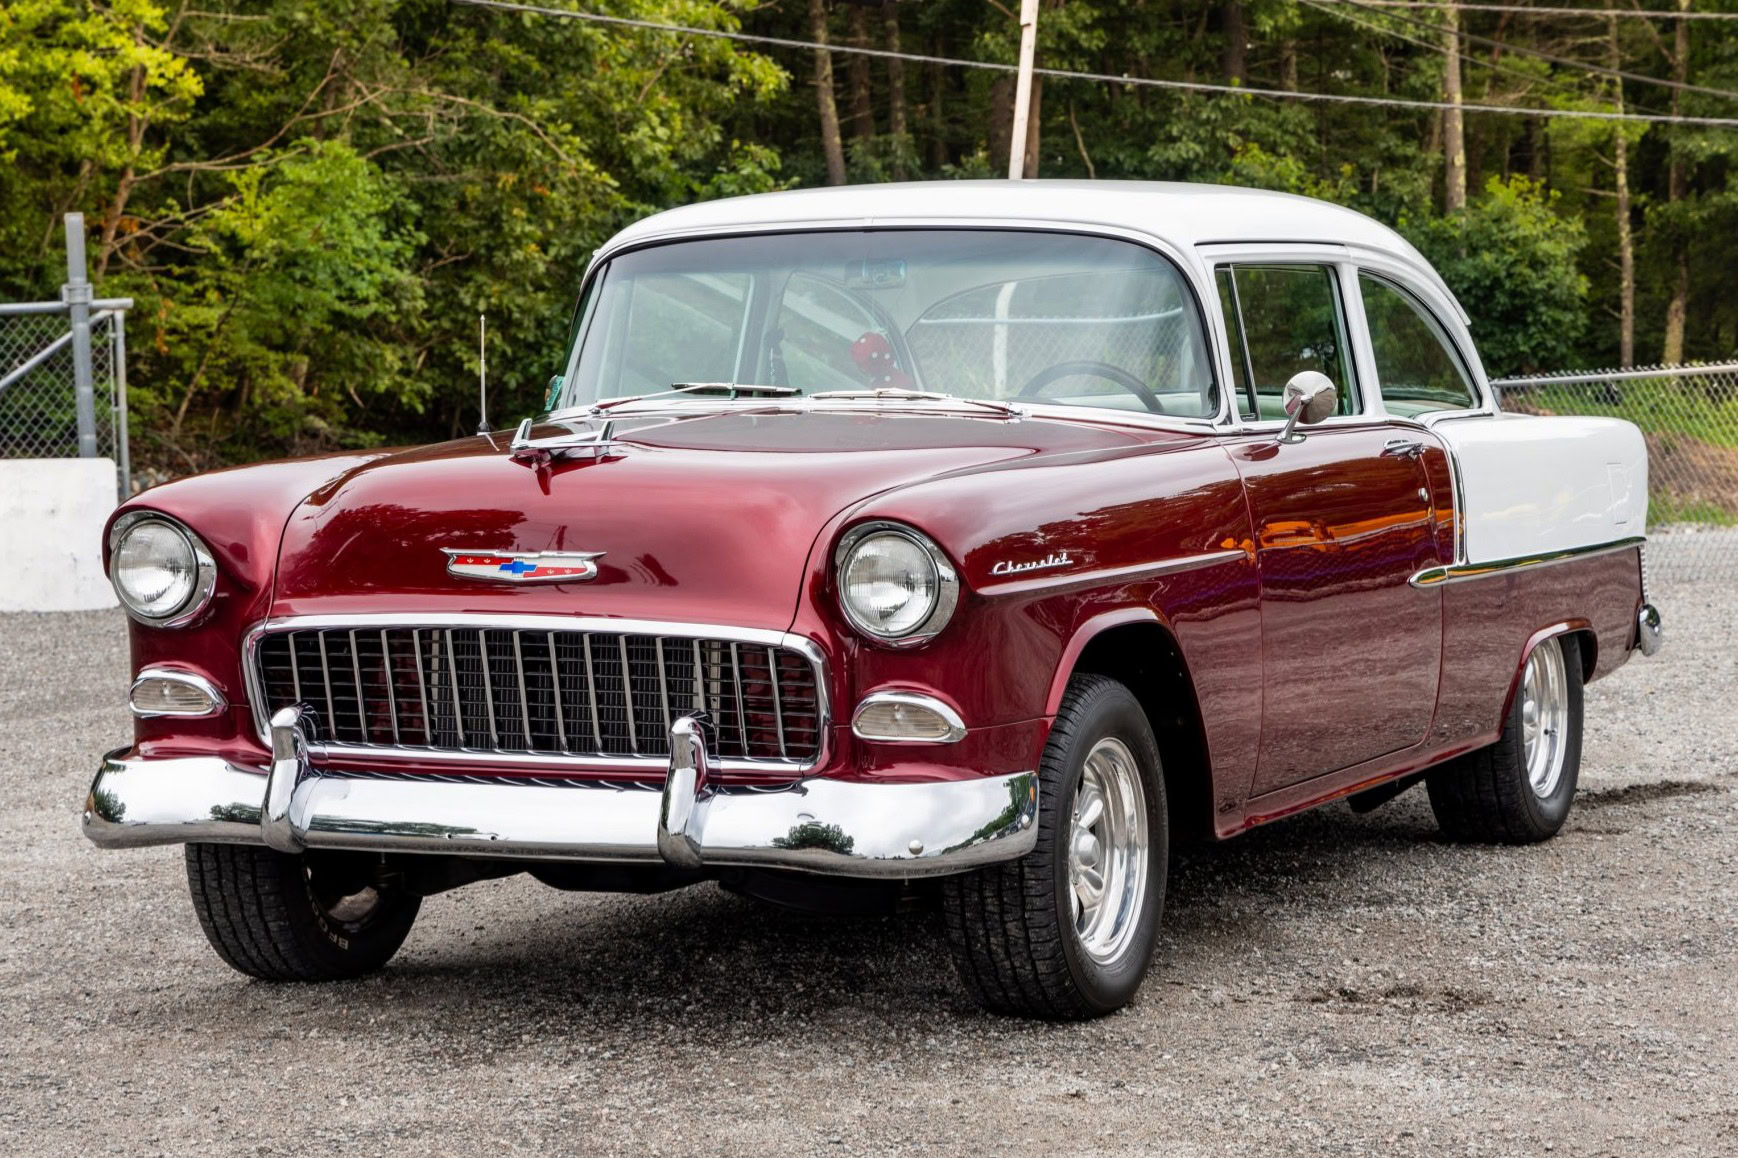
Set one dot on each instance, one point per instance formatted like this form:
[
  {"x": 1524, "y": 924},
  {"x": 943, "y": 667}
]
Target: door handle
[{"x": 1402, "y": 448}]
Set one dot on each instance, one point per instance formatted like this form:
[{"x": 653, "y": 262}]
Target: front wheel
[
  {"x": 319, "y": 916},
  {"x": 1067, "y": 931},
  {"x": 1518, "y": 790}
]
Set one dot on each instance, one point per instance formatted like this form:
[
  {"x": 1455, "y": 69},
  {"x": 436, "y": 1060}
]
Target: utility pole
[
  {"x": 1023, "y": 89},
  {"x": 1453, "y": 122}
]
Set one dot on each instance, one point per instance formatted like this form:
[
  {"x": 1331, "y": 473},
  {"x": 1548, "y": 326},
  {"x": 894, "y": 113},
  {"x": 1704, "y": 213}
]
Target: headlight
[
  {"x": 162, "y": 572},
  {"x": 895, "y": 584}
]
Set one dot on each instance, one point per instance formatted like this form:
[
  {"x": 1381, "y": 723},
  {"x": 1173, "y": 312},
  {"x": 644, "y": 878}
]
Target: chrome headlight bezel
[
  {"x": 204, "y": 570},
  {"x": 947, "y": 583}
]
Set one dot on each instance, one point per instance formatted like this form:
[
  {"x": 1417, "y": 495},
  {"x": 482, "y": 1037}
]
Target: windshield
[{"x": 985, "y": 314}]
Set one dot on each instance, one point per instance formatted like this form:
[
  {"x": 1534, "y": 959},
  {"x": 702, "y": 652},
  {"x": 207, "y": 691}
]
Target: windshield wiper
[
  {"x": 902, "y": 394},
  {"x": 733, "y": 390}
]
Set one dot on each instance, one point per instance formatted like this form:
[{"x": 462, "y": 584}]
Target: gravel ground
[{"x": 1331, "y": 982}]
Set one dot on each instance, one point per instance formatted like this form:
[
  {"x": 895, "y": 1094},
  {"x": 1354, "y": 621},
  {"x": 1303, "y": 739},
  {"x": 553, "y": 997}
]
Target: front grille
[{"x": 530, "y": 691}]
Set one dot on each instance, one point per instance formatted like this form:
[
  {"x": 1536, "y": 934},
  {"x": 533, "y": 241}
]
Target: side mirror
[{"x": 1309, "y": 397}]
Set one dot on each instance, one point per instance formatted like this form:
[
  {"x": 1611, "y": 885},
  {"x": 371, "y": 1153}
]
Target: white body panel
[{"x": 1531, "y": 485}]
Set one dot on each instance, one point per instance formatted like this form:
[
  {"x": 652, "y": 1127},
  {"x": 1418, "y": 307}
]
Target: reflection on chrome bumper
[
  {"x": 1649, "y": 632},
  {"x": 817, "y": 825}
]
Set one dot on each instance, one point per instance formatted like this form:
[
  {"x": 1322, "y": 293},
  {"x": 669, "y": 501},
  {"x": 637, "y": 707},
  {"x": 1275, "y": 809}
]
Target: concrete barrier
[{"x": 51, "y": 524}]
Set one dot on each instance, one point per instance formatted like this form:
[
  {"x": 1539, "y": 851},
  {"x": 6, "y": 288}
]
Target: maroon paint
[
  {"x": 732, "y": 520},
  {"x": 1351, "y": 651}
]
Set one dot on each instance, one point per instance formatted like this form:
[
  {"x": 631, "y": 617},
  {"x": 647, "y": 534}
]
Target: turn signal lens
[
  {"x": 911, "y": 719},
  {"x": 174, "y": 694}
]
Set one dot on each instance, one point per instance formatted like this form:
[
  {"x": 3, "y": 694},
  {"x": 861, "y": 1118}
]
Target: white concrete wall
[{"x": 51, "y": 524}]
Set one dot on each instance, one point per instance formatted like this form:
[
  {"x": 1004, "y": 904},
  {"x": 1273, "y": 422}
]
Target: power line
[
  {"x": 1548, "y": 10},
  {"x": 1321, "y": 6},
  {"x": 1565, "y": 61},
  {"x": 1106, "y": 78}
]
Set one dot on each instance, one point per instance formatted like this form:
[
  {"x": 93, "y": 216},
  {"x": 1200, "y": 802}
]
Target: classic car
[{"x": 975, "y": 542}]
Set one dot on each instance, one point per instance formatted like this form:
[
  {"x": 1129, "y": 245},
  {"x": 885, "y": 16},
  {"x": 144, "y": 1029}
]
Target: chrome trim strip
[
  {"x": 816, "y": 825},
  {"x": 627, "y": 695},
  {"x": 1114, "y": 574},
  {"x": 176, "y": 676},
  {"x": 386, "y": 674},
  {"x": 767, "y": 637},
  {"x": 956, "y": 726},
  {"x": 1466, "y": 572},
  {"x": 778, "y": 707}
]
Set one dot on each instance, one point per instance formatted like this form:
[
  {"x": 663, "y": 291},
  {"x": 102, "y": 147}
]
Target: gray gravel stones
[{"x": 1333, "y": 982}]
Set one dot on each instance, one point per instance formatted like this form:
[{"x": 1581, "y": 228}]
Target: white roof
[{"x": 1185, "y": 215}]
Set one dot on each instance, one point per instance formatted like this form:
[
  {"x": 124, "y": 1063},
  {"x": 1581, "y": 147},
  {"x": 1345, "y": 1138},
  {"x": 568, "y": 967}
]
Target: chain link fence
[
  {"x": 63, "y": 372},
  {"x": 1689, "y": 416}
]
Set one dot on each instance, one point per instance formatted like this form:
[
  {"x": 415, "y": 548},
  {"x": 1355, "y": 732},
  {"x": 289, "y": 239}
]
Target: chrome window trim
[
  {"x": 1407, "y": 288},
  {"x": 1426, "y": 286},
  {"x": 205, "y": 569},
  {"x": 955, "y": 725},
  {"x": 1187, "y": 264},
  {"x": 1338, "y": 261},
  {"x": 765, "y": 637},
  {"x": 176, "y": 676},
  {"x": 1463, "y": 572}
]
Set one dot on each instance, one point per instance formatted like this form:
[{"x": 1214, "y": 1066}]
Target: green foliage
[
  {"x": 312, "y": 202},
  {"x": 1512, "y": 261}
]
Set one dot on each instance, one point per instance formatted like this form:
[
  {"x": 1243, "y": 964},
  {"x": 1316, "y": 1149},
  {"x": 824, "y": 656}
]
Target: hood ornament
[
  {"x": 523, "y": 567},
  {"x": 593, "y": 443}
]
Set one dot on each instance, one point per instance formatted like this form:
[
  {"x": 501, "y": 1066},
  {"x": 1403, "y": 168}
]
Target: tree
[{"x": 1512, "y": 260}]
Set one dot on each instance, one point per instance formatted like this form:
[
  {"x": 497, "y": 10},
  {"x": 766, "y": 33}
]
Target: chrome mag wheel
[
  {"x": 1545, "y": 717},
  {"x": 1107, "y": 850}
]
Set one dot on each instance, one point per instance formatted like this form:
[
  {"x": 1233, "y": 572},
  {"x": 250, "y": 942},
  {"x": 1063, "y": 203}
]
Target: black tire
[
  {"x": 1011, "y": 926},
  {"x": 313, "y": 917},
  {"x": 1487, "y": 796}
]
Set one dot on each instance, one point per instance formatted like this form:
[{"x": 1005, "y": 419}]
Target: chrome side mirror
[{"x": 1309, "y": 397}]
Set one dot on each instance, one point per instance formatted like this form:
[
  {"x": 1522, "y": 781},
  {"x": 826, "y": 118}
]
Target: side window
[
  {"x": 1415, "y": 362},
  {"x": 1282, "y": 320}
]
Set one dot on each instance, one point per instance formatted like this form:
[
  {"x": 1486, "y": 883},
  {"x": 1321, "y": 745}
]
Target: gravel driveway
[{"x": 1331, "y": 982}]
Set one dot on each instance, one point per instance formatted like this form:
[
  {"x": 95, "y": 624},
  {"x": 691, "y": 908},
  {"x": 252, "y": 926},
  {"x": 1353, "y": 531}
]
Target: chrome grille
[{"x": 519, "y": 690}]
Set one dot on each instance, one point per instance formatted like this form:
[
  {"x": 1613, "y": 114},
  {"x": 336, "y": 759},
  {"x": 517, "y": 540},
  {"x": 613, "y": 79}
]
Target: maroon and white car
[{"x": 982, "y": 539}]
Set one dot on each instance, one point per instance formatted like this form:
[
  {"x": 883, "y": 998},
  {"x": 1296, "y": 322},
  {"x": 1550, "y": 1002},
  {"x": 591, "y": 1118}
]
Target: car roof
[{"x": 1185, "y": 215}]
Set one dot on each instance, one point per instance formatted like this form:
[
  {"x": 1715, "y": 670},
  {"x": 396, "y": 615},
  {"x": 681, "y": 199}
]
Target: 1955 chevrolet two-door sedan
[{"x": 978, "y": 540}]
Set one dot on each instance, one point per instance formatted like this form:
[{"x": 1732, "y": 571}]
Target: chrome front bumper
[{"x": 815, "y": 825}]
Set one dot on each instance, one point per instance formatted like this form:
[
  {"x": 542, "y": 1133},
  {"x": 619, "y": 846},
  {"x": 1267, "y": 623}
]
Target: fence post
[{"x": 76, "y": 293}]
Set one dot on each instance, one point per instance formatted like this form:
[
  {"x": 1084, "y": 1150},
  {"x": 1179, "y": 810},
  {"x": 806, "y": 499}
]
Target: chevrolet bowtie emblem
[{"x": 531, "y": 567}]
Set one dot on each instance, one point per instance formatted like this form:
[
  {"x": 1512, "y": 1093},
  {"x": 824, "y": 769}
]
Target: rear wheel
[
  {"x": 313, "y": 917},
  {"x": 1519, "y": 789},
  {"x": 1067, "y": 931}
]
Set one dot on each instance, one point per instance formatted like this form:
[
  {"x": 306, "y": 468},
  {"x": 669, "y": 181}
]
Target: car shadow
[{"x": 704, "y": 962}]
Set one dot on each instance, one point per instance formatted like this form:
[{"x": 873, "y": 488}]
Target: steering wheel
[{"x": 1097, "y": 370}]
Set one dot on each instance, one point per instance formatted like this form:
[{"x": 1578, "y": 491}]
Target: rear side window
[
  {"x": 1281, "y": 321},
  {"x": 1416, "y": 364}
]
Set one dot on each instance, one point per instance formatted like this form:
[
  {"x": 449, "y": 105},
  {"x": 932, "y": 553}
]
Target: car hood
[{"x": 701, "y": 518}]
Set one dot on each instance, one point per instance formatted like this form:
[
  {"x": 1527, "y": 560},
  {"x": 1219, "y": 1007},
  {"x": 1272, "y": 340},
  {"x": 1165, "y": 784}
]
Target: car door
[{"x": 1343, "y": 517}]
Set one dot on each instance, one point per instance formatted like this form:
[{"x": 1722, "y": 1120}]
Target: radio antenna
[{"x": 482, "y": 374}]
